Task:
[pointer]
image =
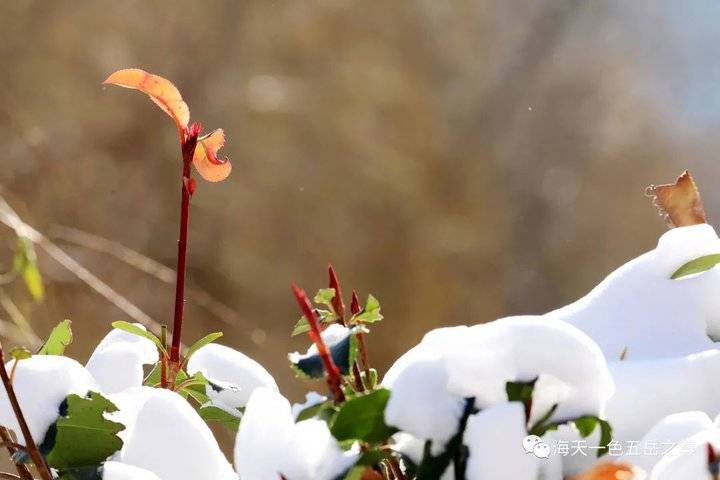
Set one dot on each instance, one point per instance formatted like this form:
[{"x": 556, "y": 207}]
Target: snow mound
[
  {"x": 41, "y": 383},
  {"x": 171, "y": 440},
  {"x": 689, "y": 459},
  {"x": 270, "y": 444},
  {"x": 671, "y": 430},
  {"x": 461, "y": 362},
  {"x": 647, "y": 391},
  {"x": 494, "y": 438},
  {"x": 121, "y": 471},
  {"x": 638, "y": 309},
  {"x": 311, "y": 399},
  {"x": 236, "y": 375},
  {"x": 117, "y": 362}
]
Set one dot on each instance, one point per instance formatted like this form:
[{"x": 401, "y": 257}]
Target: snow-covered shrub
[{"x": 635, "y": 360}]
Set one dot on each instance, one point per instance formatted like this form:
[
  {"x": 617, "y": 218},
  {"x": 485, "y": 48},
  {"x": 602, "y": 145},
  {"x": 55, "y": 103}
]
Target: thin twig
[
  {"x": 146, "y": 265},
  {"x": 30, "y": 445},
  {"x": 18, "y": 318},
  {"x": 12, "y": 220},
  {"x": 7, "y": 439}
]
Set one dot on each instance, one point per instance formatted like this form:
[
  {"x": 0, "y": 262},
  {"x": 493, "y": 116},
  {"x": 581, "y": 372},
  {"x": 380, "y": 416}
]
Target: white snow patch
[
  {"x": 121, "y": 471},
  {"x": 41, "y": 383},
  {"x": 234, "y": 372},
  {"x": 640, "y": 310},
  {"x": 311, "y": 399},
  {"x": 117, "y": 362},
  {"x": 494, "y": 438},
  {"x": 171, "y": 440},
  {"x": 269, "y": 443}
]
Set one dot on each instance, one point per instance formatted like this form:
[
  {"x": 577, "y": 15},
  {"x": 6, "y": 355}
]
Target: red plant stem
[
  {"x": 337, "y": 301},
  {"x": 334, "y": 379},
  {"x": 188, "y": 149},
  {"x": 32, "y": 449}
]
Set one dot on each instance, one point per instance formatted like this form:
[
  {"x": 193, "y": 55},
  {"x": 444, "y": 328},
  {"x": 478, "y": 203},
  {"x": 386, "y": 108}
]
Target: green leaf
[
  {"x": 211, "y": 413},
  {"x": 325, "y": 296},
  {"x": 206, "y": 340},
  {"x": 82, "y": 436},
  {"x": 25, "y": 264},
  {"x": 140, "y": 332},
  {"x": 370, "y": 381},
  {"x": 371, "y": 312},
  {"x": 20, "y": 353},
  {"x": 302, "y": 325},
  {"x": 60, "y": 337},
  {"x": 324, "y": 411},
  {"x": 542, "y": 426},
  {"x": 586, "y": 425},
  {"x": 698, "y": 265},
  {"x": 363, "y": 418}
]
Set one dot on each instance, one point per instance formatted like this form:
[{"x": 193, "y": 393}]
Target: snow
[
  {"x": 124, "y": 350},
  {"x": 671, "y": 430},
  {"x": 648, "y": 391},
  {"x": 171, "y": 440},
  {"x": 121, "y": 471},
  {"x": 311, "y": 399},
  {"x": 41, "y": 383},
  {"x": 234, "y": 372},
  {"x": 494, "y": 438},
  {"x": 639, "y": 309},
  {"x": 269, "y": 443},
  {"x": 454, "y": 363},
  {"x": 688, "y": 460},
  {"x": 332, "y": 335},
  {"x": 420, "y": 403}
]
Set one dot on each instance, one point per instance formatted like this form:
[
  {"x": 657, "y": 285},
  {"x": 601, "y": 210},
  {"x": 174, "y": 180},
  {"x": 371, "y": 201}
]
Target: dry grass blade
[{"x": 12, "y": 220}]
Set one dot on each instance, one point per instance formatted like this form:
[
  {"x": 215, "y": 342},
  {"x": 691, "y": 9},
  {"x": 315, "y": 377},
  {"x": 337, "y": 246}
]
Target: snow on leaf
[
  {"x": 207, "y": 339},
  {"x": 205, "y": 159},
  {"x": 698, "y": 265},
  {"x": 679, "y": 203},
  {"x": 139, "y": 331},
  {"x": 60, "y": 337},
  {"x": 160, "y": 90},
  {"x": 362, "y": 418},
  {"x": 82, "y": 436},
  {"x": 342, "y": 343}
]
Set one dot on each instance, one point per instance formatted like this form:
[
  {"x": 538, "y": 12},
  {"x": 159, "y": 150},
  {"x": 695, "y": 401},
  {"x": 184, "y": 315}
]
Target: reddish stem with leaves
[
  {"x": 30, "y": 444},
  {"x": 333, "y": 377},
  {"x": 187, "y": 189}
]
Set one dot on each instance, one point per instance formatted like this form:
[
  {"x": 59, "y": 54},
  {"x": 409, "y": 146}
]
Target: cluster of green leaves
[{"x": 370, "y": 313}]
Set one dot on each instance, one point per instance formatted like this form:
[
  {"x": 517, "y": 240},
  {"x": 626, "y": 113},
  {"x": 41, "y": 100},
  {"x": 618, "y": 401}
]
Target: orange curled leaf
[
  {"x": 679, "y": 203},
  {"x": 611, "y": 471},
  {"x": 159, "y": 89},
  {"x": 205, "y": 159}
]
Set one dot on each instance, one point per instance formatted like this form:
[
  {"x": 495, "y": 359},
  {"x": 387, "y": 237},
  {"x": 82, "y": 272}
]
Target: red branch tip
[
  {"x": 337, "y": 301},
  {"x": 355, "y": 307},
  {"x": 334, "y": 379}
]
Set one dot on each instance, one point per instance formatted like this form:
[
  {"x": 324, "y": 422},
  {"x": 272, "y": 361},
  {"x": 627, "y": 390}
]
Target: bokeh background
[{"x": 460, "y": 160}]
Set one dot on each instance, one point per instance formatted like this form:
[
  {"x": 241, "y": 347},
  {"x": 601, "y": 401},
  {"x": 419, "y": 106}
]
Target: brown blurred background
[{"x": 460, "y": 160}]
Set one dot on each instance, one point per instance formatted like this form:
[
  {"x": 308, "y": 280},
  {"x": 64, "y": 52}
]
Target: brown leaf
[
  {"x": 160, "y": 90},
  {"x": 208, "y": 165},
  {"x": 679, "y": 203},
  {"x": 611, "y": 471}
]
